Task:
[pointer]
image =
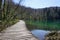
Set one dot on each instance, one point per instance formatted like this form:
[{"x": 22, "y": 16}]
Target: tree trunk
[{"x": 0, "y": 12}]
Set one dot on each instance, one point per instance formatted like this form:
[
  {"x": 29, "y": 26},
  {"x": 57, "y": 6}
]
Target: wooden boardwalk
[{"x": 17, "y": 32}]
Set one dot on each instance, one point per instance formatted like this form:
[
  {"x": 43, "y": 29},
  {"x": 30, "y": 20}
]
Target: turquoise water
[{"x": 49, "y": 25}]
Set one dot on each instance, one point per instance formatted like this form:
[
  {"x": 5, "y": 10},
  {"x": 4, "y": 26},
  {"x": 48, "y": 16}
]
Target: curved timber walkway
[{"x": 17, "y": 32}]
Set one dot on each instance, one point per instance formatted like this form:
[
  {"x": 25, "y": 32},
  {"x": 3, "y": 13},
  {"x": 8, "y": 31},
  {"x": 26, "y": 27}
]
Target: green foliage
[{"x": 8, "y": 16}]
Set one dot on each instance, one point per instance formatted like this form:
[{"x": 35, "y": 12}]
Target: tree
[
  {"x": 8, "y": 16},
  {"x": 0, "y": 13}
]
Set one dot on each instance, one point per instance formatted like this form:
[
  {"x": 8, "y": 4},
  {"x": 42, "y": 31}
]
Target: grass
[{"x": 43, "y": 25}]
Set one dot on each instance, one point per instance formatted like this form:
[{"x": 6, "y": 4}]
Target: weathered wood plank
[{"x": 17, "y": 32}]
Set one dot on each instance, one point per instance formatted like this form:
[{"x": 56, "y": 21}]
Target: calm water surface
[{"x": 40, "y": 33}]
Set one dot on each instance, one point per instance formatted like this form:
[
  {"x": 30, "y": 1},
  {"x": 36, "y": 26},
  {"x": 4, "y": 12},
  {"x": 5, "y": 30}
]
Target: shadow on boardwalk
[{"x": 17, "y": 32}]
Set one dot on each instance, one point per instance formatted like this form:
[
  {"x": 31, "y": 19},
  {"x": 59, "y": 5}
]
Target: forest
[
  {"x": 44, "y": 18},
  {"x": 32, "y": 21}
]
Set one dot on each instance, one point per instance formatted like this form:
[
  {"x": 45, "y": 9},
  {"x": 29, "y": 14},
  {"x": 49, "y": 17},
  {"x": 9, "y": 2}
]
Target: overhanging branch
[{"x": 17, "y": 6}]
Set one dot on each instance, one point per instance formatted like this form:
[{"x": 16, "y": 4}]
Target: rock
[{"x": 54, "y": 35}]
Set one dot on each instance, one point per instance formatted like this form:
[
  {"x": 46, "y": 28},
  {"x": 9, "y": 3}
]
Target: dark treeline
[
  {"x": 45, "y": 14},
  {"x": 49, "y": 14}
]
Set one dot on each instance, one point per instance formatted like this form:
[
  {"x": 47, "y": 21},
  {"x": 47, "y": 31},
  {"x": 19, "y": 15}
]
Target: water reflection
[{"x": 40, "y": 33}]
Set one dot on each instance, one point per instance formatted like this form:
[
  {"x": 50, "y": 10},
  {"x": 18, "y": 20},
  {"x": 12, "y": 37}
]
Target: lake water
[{"x": 40, "y": 33}]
